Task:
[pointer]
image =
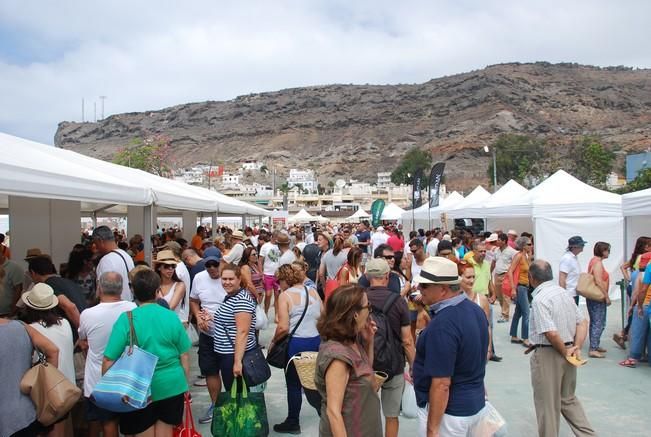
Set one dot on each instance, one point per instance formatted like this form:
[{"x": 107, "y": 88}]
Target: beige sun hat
[
  {"x": 166, "y": 257},
  {"x": 41, "y": 297},
  {"x": 438, "y": 270}
]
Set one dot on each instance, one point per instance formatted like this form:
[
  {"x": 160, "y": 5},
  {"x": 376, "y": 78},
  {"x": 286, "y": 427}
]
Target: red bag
[
  {"x": 507, "y": 282},
  {"x": 332, "y": 284},
  {"x": 187, "y": 429}
]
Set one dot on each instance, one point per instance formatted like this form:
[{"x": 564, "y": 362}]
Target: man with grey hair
[
  {"x": 557, "y": 332},
  {"x": 113, "y": 258},
  {"x": 95, "y": 325}
]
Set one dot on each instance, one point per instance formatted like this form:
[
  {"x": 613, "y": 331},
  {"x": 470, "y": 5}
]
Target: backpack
[{"x": 388, "y": 353}]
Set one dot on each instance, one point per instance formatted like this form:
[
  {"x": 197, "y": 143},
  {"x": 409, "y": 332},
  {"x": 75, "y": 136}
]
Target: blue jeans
[
  {"x": 597, "y": 313},
  {"x": 521, "y": 310},
  {"x": 294, "y": 388},
  {"x": 639, "y": 334}
]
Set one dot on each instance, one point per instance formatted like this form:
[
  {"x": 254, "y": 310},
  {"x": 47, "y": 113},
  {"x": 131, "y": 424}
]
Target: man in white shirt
[
  {"x": 237, "y": 250},
  {"x": 268, "y": 259},
  {"x": 286, "y": 254},
  {"x": 113, "y": 258},
  {"x": 206, "y": 296},
  {"x": 503, "y": 256},
  {"x": 433, "y": 244},
  {"x": 378, "y": 238},
  {"x": 569, "y": 268},
  {"x": 95, "y": 326}
]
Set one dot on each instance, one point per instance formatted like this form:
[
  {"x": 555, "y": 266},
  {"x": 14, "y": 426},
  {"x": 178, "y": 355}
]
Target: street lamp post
[{"x": 492, "y": 149}]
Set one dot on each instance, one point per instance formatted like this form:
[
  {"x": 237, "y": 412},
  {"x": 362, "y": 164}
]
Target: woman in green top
[{"x": 160, "y": 332}]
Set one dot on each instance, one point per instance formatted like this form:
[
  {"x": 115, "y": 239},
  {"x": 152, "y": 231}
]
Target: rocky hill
[{"x": 358, "y": 130}]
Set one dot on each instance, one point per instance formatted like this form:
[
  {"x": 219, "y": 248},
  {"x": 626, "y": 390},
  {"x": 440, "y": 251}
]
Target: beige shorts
[{"x": 391, "y": 395}]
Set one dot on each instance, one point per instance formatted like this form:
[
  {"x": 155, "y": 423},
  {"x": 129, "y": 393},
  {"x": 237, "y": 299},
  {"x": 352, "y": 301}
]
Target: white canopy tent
[
  {"x": 303, "y": 217},
  {"x": 563, "y": 206},
  {"x": 359, "y": 215},
  {"x": 476, "y": 197},
  {"x": 392, "y": 212},
  {"x": 636, "y": 208},
  {"x": 425, "y": 217},
  {"x": 45, "y": 188}
]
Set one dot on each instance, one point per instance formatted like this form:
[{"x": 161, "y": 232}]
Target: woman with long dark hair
[
  {"x": 172, "y": 288},
  {"x": 351, "y": 271},
  {"x": 597, "y": 309},
  {"x": 252, "y": 277},
  {"x": 81, "y": 270}
]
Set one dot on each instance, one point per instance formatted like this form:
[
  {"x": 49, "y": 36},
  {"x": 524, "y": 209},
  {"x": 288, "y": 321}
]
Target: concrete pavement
[{"x": 615, "y": 398}]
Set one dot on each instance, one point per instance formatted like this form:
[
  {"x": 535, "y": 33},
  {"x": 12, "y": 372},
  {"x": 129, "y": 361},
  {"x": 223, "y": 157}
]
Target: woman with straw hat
[
  {"x": 40, "y": 311},
  {"x": 172, "y": 288}
]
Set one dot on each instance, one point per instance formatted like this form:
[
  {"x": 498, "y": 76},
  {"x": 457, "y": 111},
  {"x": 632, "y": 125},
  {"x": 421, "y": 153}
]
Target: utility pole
[
  {"x": 102, "y": 98},
  {"x": 95, "y": 112},
  {"x": 83, "y": 111}
]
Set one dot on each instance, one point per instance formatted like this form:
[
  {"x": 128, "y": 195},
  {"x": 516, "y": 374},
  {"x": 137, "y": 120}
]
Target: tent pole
[
  {"x": 148, "y": 231},
  {"x": 213, "y": 228}
]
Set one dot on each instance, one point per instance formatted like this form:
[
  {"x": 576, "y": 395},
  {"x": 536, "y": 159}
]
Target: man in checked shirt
[{"x": 557, "y": 330}]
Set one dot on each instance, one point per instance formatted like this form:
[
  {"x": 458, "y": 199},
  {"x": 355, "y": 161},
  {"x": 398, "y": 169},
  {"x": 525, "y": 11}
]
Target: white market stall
[
  {"x": 636, "y": 208},
  {"x": 472, "y": 200},
  {"x": 425, "y": 217},
  {"x": 358, "y": 216},
  {"x": 391, "y": 212},
  {"x": 302, "y": 217}
]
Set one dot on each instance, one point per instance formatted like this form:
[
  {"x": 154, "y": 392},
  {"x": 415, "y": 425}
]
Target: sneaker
[
  {"x": 502, "y": 320},
  {"x": 287, "y": 428},
  {"x": 207, "y": 418},
  {"x": 200, "y": 382}
]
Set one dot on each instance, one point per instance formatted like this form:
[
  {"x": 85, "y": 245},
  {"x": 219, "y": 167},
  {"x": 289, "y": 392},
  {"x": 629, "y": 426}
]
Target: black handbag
[
  {"x": 278, "y": 355},
  {"x": 255, "y": 368}
]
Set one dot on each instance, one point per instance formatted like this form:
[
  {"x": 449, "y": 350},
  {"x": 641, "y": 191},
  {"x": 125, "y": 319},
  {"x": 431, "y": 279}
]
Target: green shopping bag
[{"x": 240, "y": 414}]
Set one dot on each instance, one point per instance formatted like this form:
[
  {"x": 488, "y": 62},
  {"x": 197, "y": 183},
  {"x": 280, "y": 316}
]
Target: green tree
[
  {"x": 153, "y": 155},
  {"x": 284, "y": 188},
  {"x": 593, "y": 162},
  {"x": 415, "y": 159},
  {"x": 641, "y": 182},
  {"x": 518, "y": 157}
]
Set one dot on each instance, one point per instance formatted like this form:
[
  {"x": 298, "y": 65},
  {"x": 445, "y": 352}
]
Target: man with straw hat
[{"x": 451, "y": 354}]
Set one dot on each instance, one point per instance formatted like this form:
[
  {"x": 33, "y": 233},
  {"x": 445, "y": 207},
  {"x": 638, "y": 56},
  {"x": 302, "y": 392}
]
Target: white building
[
  {"x": 251, "y": 165},
  {"x": 383, "y": 180},
  {"x": 192, "y": 176},
  {"x": 360, "y": 189},
  {"x": 231, "y": 180},
  {"x": 303, "y": 178}
]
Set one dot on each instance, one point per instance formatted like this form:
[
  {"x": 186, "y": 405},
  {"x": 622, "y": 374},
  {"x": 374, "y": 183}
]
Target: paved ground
[{"x": 615, "y": 398}]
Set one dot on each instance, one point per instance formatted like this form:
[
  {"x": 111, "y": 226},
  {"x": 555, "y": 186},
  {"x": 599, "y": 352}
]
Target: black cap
[{"x": 576, "y": 241}]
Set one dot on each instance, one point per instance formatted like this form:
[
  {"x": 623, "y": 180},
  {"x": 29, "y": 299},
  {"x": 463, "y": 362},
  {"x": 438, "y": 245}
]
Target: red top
[
  {"x": 605, "y": 276},
  {"x": 396, "y": 243}
]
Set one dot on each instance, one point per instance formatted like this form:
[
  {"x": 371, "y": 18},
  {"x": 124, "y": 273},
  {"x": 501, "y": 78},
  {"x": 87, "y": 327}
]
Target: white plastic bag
[
  {"x": 491, "y": 423},
  {"x": 261, "y": 320},
  {"x": 193, "y": 335},
  {"x": 409, "y": 406}
]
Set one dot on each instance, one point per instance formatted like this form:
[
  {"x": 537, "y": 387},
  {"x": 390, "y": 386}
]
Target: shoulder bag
[
  {"x": 126, "y": 386},
  {"x": 278, "y": 355},
  {"x": 588, "y": 288},
  {"x": 52, "y": 393},
  {"x": 255, "y": 368}
]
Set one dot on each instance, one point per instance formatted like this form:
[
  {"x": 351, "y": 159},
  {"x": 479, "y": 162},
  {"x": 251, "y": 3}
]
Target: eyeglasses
[{"x": 414, "y": 250}]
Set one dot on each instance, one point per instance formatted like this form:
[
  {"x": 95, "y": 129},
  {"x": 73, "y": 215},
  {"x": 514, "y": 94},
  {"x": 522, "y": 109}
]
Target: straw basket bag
[{"x": 305, "y": 363}]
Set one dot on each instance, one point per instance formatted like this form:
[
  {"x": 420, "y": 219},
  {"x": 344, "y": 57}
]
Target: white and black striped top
[{"x": 224, "y": 322}]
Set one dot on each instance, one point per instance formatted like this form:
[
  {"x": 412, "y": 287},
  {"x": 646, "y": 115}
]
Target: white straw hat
[
  {"x": 438, "y": 270},
  {"x": 40, "y": 297}
]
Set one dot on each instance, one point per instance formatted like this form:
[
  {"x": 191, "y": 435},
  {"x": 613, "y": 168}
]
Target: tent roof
[
  {"x": 564, "y": 195},
  {"x": 496, "y": 203},
  {"x": 392, "y": 212},
  {"x": 637, "y": 203},
  {"x": 303, "y": 217},
  {"x": 36, "y": 170},
  {"x": 477, "y": 196},
  {"x": 445, "y": 204},
  {"x": 360, "y": 213},
  {"x": 49, "y": 172}
]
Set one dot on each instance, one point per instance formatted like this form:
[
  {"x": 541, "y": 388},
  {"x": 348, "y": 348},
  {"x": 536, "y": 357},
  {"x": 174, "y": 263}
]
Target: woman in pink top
[{"x": 597, "y": 309}]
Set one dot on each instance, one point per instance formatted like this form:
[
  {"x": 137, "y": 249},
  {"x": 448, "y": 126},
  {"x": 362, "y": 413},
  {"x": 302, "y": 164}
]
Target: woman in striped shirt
[{"x": 234, "y": 324}]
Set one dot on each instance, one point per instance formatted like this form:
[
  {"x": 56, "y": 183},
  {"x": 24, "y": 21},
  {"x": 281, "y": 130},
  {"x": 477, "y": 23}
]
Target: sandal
[
  {"x": 526, "y": 343},
  {"x": 516, "y": 340},
  {"x": 602, "y": 350},
  {"x": 628, "y": 362},
  {"x": 619, "y": 340},
  {"x": 596, "y": 354}
]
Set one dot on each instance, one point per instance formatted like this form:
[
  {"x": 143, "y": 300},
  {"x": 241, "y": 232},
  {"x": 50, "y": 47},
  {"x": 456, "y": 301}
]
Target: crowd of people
[{"x": 383, "y": 310}]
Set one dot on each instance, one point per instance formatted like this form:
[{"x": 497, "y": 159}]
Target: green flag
[{"x": 376, "y": 212}]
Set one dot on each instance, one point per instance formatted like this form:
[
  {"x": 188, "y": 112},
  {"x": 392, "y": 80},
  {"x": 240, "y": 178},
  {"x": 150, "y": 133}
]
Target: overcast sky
[{"x": 147, "y": 55}]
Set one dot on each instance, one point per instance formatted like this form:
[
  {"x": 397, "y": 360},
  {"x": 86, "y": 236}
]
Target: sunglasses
[
  {"x": 212, "y": 266},
  {"x": 389, "y": 257},
  {"x": 366, "y": 307},
  {"x": 168, "y": 267}
]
